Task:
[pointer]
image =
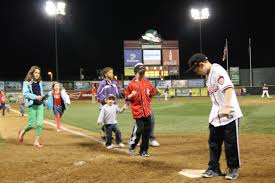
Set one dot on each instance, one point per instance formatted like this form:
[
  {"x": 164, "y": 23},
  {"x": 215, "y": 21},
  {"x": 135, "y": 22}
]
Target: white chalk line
[{"x": 95, "y": 139}]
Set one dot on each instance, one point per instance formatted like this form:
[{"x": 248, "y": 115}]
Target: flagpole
[
  {"x": 250, "y": 62},
  {"x": 226, "y": 55}
]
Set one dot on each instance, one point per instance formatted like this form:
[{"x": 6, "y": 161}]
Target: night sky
[{"x": 91, "y": 35}]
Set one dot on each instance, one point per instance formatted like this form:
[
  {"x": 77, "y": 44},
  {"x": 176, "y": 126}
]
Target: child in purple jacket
[{"x": 106, "y": 87}]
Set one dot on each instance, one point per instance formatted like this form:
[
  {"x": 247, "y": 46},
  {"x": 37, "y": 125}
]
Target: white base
[{"x": 191, "y": 173}]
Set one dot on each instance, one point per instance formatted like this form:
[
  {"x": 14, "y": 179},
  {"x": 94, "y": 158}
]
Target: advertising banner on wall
[
  {"x": 183, "y": 92},
  {"x": 47, "y": 85},
  {"x": 2, "y": 87},
  {"x": 126, "y": 83},
  {"x": 80, "y": 95},
  {"x": 152, "y": 57},
  {"x": 204, "y": 92},
  {"x": 235, "y": 75},
  {"x": 163, "y": 83},
  {"x": 13, "y": 85},
  {"x": 153, "y": 82},
  {"x": 82, "y": 85},
  {"x": 172, "y": 92},
  {"x": 196, "y": 92},
  {"x": 173, "y": 70},
  {"x": 196, "y": 83},
  {"x": 179, "y": 83},
  {"x": 129, "y": 71},
  {"x": 68, "y": 85},
  {"x": 170, "y": 56},
  {"x": 132, "y": 57}
]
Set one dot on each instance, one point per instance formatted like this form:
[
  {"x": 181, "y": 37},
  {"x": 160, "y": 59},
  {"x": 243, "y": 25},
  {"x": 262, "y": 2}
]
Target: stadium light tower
[
  {"x": 54, "y": 9},
  {"x": 200, "y": 15}
]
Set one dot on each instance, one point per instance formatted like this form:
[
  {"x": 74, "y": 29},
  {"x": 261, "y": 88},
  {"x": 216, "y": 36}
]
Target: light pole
[
  {"x": 200, "y": 15},
  {"x": 55, "y": 9},
  {"x": 51, "y": 75}
]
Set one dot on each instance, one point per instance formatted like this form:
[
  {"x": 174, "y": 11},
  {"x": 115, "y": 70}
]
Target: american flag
[{"x": 225, "y": 51}]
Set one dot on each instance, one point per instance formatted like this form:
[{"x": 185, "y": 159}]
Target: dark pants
[
  {"x": 3, "y": 108},
  {"x": 229, "y": 135},
  {"x": 141, "y": 127},
  {"x": 109, "y": 129}
]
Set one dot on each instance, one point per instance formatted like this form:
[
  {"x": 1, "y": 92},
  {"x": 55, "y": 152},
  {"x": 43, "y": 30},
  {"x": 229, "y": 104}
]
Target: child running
[
  {"x": 107, "y": 118},
  {"x": 21, "y": 102},
  {"x": 58, "y": 101},
  {"x": 2, "y": 102}
]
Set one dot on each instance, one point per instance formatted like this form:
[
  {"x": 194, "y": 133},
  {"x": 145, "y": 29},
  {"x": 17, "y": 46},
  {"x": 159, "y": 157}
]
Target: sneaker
[
  {"x": 144, "y": 154},
  {"x": 58, "y": 130},
  {"x": 211, "y": 173},
  {"x": 232, "y": 174},
  {"x": 131, "y": 151},
  {"x": 121, "y": 145},
  {"x": 109, "y": 147},
  {"x": 154, "y": 143}
]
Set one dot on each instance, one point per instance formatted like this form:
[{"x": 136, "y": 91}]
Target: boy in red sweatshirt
[{"x": 139, "y": 93}]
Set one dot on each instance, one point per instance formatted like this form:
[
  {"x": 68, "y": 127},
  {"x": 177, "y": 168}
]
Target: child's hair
[
  {"x": 54, "y": 83},
  {"x": 105, "y": 70},
  {"x": 29, "y": 75}
]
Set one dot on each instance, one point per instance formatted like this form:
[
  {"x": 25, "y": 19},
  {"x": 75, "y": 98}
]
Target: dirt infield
[{"x": 70, "y": 158}]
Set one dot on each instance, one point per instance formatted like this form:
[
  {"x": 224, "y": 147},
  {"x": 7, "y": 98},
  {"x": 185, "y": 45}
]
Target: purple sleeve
[{"x": 100, "y": 93}]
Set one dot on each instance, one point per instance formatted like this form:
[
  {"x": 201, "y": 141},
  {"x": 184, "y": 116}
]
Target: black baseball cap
[
  {"x": 194, "y": 60},
  {"x": 139, "y": 67}
]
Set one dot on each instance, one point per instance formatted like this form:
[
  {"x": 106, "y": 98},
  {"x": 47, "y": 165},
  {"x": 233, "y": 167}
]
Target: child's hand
[
  {"x": 133, "y": 93},
  {"x": 39, "y": 98},
  {"x": 99, "y": 123}
]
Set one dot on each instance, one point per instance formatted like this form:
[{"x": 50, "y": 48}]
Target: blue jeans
[{"x": 109, "y": 128}]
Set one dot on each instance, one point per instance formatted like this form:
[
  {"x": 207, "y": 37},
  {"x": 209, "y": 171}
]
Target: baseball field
[{"x": 181, "y": 128}]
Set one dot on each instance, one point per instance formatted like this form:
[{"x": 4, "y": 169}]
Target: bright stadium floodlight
[
  {"x": 205, "y": 13},
  {"x": 60, "y": 8},
  {"x": 55, "y": 9},
  {"x": 200, "y": 14},
  {"x": 50, "y": 8}
]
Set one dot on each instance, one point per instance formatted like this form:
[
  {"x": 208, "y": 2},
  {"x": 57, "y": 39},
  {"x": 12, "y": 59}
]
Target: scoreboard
[{"x": 160, "y": 59}]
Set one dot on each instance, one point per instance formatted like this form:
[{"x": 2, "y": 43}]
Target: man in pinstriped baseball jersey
[{"x": 223, "y": 119}]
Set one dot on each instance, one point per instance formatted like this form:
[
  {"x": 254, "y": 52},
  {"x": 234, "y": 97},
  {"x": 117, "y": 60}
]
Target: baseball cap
[
  {"x": 111, "y": 96},
  {"x": 139, "y": 67},
  {"x": 194, "y": 60}
]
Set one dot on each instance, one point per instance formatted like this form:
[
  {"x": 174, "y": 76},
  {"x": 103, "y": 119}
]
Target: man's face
[{"x": 201, "y": 69}]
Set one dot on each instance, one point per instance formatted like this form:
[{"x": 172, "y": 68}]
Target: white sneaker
[
  {"x": 109, "y": 147},
  {"x": 154, "y": 143},
  {"x": 58, "y": 130},
  {"x": 121, "y": 145}
]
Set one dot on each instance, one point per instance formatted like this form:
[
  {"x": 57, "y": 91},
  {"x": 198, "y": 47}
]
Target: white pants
[
  {"x": 265, "y": 92},
  {"x": 166, "y": 95}
]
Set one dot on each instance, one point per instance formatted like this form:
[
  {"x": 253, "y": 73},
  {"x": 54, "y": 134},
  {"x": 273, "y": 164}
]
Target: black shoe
[
  {"x": 211, "y": 173},
  {"x": 232, "y": 174}
]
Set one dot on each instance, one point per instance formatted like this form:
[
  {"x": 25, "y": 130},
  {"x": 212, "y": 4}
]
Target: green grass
[{"x": 188, "y": 116}]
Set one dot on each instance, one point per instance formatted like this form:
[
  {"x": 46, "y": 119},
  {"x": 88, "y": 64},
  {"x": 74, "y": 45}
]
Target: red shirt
[
  {"x": 56, "y": 99},
  {"x": 141, "y": 102},
  {"x": 2, "y": 98}
]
